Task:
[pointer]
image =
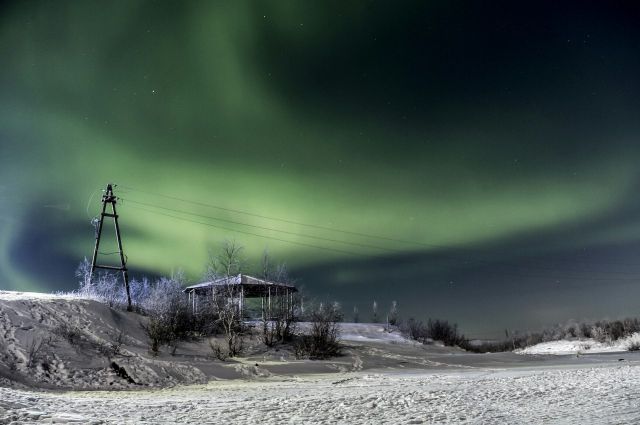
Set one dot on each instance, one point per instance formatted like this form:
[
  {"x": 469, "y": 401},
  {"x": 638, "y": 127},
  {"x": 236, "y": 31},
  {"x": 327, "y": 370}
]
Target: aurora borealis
[{"x": 500, "y": 138}]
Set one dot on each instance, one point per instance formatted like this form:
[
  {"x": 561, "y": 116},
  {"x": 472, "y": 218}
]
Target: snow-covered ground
[
  {"x": 597, "y": 395},
  {"x": 380, "y": 378},
  {"x": 564, "y": 347}
]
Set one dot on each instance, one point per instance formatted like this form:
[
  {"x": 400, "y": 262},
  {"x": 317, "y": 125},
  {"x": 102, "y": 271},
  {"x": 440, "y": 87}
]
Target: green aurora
[{"x": 501, "y": 141}]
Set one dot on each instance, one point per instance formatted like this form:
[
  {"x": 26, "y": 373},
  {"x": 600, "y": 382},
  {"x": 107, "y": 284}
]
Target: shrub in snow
[
  {"x": 415, "y": 330},
  {"x": 435, "y": 330},
  {"x": 170, "y": 317},
  {"x": 585, "y": 330},
  {"x": 441, "y": 330},
  {"x": 69, "y": 333},
  {"x": 323, "y": 339},
  {"x": 113, "y": 348}
]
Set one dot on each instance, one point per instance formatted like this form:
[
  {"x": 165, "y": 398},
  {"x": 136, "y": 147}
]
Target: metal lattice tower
[{"x": 110, "y": 199}]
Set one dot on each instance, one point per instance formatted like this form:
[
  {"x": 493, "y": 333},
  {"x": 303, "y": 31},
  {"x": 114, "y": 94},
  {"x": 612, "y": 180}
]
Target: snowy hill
[{"x": 64, "y": 341}]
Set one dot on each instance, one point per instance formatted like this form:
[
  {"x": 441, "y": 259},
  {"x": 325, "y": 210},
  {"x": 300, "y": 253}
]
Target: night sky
[{"x": 475, "y": 161}]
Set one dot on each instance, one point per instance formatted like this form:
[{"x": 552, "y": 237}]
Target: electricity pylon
[{"x": 111, "y": 199}]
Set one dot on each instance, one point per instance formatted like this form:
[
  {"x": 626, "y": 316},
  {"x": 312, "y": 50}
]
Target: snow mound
[
  {"x": 65, "y": 341},
  {"x": 564, "y": 347},
  {"x": 16, "y": 295},
  {"x": 371, "y": 332}
]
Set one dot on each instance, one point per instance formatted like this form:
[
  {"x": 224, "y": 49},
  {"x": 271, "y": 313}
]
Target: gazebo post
[
  {"x": 269, "y": 302},
  {"x": 286, "y": 304},
  {"x": 241, "y": 301},
  {"x": 290, "y": 305}
]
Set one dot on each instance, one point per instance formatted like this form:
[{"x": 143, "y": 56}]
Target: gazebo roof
[{"x": 252, "y": 285}]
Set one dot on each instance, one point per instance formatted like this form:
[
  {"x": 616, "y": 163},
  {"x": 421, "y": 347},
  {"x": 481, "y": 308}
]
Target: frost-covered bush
[
  {"x": 140, "y": 292},
  {"x": 106, "y": 287},
  {"x": 634, "y": 346},
  {"x": 599, "y": 333},
  {"x": 161, "y": 296},
  {"x": 171, "y": 318},
  {"x": 632, "y": 342}
]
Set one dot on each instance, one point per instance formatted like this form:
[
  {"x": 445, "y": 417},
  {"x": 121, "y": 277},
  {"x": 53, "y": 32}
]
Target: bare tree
[
  {"x": 170, "y": 320},
  {"x": 224, "y": 268},
  {"x": 323, "y": 340},
  {"x": 277, "y": 312},
  {"x": 374, "y": 307},
  {"x": 393, "y": 318},
  {"x": 35, "y": 350}
]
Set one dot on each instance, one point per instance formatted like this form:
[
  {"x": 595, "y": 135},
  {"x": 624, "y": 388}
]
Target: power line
[
  {"x": 461, "y": 251},
  {"x": 250, "y": 233},
  {"x": 283, "y": 220},
  {"x": 320, "y": 227},
  {"x": 501, "y": 273},
  {"x": 361, "y": 245}
]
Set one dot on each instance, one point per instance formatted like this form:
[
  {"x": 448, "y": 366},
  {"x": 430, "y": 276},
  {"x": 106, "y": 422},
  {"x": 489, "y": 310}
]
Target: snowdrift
[{"x": 564, "y": 347}]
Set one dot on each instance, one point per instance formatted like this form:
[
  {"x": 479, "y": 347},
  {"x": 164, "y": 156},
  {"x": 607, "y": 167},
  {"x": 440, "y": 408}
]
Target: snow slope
[{"x": 74, "y": 335}]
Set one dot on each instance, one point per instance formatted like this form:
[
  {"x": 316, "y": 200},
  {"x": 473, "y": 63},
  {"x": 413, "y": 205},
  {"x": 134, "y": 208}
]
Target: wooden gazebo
[{"x": 241, "y": 287}]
